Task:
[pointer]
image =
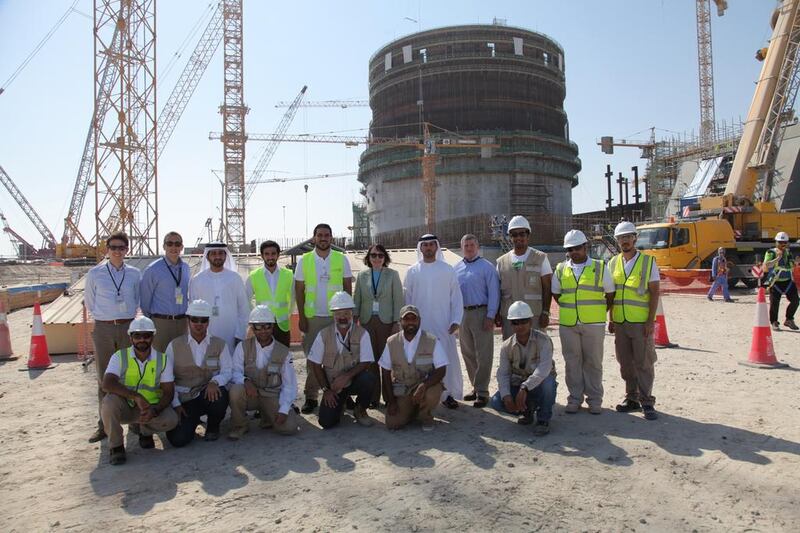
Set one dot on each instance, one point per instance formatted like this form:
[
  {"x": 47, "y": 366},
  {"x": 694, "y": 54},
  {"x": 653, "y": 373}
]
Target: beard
[{"x": 411, "y": 330}]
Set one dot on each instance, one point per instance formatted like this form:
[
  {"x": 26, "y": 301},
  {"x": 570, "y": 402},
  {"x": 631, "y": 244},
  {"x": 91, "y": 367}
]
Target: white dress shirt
[
  {"x": 318, "y": 348},
  {"x": 111, "y": 293},
  {"x": 223, "y": 375},
  {"x": 263, "y": 355},
  {"x": 410, "y": 348}
]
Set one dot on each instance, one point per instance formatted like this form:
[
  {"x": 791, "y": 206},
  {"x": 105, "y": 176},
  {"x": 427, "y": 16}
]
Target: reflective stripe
[
  {"x": 590, "y": 288},
  {"x": 581, "y": 299},
  {"x": 569, "y": 291},
  {"x": 143, "y": 382},
  {"x": 634, "y": 303},
  {"x": 567, "y": 306},
  {"x": 632, "y": 299}
]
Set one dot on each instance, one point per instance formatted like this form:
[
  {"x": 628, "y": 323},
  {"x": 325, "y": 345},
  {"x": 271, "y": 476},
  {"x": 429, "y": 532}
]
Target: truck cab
[{"x": 685, "y": 244}]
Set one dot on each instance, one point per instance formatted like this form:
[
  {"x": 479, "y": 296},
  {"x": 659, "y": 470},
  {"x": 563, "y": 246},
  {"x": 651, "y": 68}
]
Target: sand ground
[{"x": 723, "y": 456}]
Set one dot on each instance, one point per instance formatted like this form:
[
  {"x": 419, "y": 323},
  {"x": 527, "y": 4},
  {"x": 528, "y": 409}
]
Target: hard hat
[
  {"x": 574, "y": 237},
  {"x": 782, "y": 236},
  {"x": 625, "y": 228},
  {"x": 261, "y": 314},
  {"x": 341, "y": 300},
  {"x": 199, "y": 308},
  {"x": 519, "y": 311},
  {"x": 141, "y": 324},
  {"x": 518, "y": 222}
]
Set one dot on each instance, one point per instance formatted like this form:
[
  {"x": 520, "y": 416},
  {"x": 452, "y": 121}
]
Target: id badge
[
  {"x": 376, "y": 307},
  {"x": 120, "y": 298},
  {"x": 122, "y": 307},
  {"x": 215, "y": 311},
  {"x": 178, "y": 296}
]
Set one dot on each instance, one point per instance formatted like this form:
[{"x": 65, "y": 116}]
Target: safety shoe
[
  {"x": 146, "y": 442},
  {"x": 98, "y": 435},
  {"x": 776, "y": 326},
  {"x": 649, "y": 412},
  {"x": 471, "y": 397},
  {"x": 450, "y": 403},
  {"x": 541, "y": 428},
  {"x": 790, "y": 324},
  {"x": 117, "y": 455},
  {"x": 362, "y": 417},
  {"x": 628, "y": 406},
  {"x": 238, "y": 433},
  {"x": 135, "y": 429},
  {"x": 526, "y": 419},
  {"x": 309, "y": 406},
  {"x": 264, "y": 423},
  {"x": 572, "y": 408},
  {"x": 349, "y": 403},
  {"x": 480, "y": 402},
  {"x": 595, "y": 409},
  {"x": 211, "y": 436}
]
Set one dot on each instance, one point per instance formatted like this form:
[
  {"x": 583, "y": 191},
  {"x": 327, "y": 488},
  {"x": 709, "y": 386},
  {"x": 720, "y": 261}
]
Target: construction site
[{"x": 453, "y": 128}]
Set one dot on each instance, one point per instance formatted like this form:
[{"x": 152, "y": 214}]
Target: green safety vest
[
  {"x": 148, "y": 383},
  {"x": 782, "y": 271},
  {"x": 582, "y": 299},
  {"x": 278, "y": 303},
  {"x": 335, "y": 279},
  {"x": 632, "y": 299}
]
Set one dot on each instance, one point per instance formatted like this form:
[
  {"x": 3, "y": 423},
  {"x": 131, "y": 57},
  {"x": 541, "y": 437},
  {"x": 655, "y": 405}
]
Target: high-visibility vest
[
  {"x": 632, "y": 299},
  {"x": 335, "y": 279},
  {"x": 583, "y": 299},
  {"x": 280, "y": 302},
  {"x": 782, "y": 270},
  {"x": 146, "y": 383}
]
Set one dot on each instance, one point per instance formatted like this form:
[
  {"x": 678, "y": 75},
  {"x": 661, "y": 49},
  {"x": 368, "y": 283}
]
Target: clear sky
[{"x": 630, "y": 65}]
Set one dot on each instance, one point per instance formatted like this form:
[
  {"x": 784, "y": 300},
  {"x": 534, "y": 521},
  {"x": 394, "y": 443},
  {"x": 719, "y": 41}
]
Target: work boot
[
  {"x": 776, "y": 326},
  {"x": 595, "y": 409},
  {"x": 98, "y": 435},
  {"x": 572, "y": 408},
  {"x": 480, "y": 402},
  {"x": 789, "y": 323},
  {"x": 541, "y": 428},
  {"x": 450, "y": 403},
  {"x": 117, "y": 455},
  {"x": 309, "y": 406},
  {"x": 211, "y": 435},
  {"x": 649, "y": 412},
  {"x": 146, "y": 442},
  {"x": 349, "y": 403},
  {"x": 526, "y": 419},
  {"x": 134, "y": 428},
  {"x": 628, "y": 406},
  {"x": 238, "y": 433},
  {"x": 362, "y": 417},
  {"x": 471, "y": 397}
]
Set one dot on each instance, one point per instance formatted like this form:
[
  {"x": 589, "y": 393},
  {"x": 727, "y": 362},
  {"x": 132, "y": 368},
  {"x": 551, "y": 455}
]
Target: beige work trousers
[
  {"x": 268, "y": 407},
  {"x": 116, "y": 411},
  {"x": 582, "y": 347},
  {"x": 315, "y": 325},
  {"x": 407, "y": 410},
  {"x": 477, "y": 349},
  {"x": 168, "y": 330},
  {"x": 107, "y": 339},
  {"x": 636, "y": 355},
  {"x": 378, "y": 334}
]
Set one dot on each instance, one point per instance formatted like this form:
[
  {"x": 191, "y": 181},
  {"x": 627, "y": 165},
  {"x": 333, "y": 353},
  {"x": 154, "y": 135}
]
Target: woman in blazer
[{"x": 378, "y": 297}]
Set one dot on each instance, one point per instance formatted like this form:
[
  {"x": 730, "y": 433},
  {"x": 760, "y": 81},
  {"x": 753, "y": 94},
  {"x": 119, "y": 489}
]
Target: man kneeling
[
  {"x": 413, "y": 365},
  {"x": 139, "y": 389},
  {"x": 526, "y": 377},
  {"x": 263, "y": 379}
]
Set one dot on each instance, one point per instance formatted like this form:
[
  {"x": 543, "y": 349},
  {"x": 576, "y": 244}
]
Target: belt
[
  {"x": 116, "y": 322},
  {"x": 471, "y": 307},
  {"x": 167, "y": 317}
]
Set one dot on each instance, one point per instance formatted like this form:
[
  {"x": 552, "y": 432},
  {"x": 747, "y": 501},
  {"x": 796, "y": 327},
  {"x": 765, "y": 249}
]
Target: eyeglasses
[
  {"x": 173, "y": 243},
  {"x": 259, "y": 327},
  {"x": 117, "y": 248},
  {"x": 518, "y": 233},
  {"x": 142, "y": 335},
  {"x": 519, "y": 322},
  {"x": 198, "y": 319},
  {"x": 376, "y": 256}
]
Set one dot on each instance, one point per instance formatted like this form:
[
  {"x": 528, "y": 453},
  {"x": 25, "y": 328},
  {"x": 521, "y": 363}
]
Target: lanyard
[
  {"x": 376, "y": 283},
  {"x": 180, "y": 272},
  {"x": 118, "y": 287},
  {"x": 345, "y": 345}
]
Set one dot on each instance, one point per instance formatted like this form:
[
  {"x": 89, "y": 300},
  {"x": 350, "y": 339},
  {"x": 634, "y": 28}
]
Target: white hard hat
[
  {"x": 625, "y": 228},
  {"x": 574, "y": 237},
  {"x": 341, "y": 300},
  {"x": 782, "y": 236},
  {"x": 519, "y": 311},
  {"x": 261, "y": 314},
  {"x": 141, "y": 324},
  {"x": 199, "y": 308},
  {"x": 518, "y": 222}
]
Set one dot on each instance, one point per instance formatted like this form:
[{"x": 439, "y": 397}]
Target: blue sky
[{"x": 630, "y": 65}]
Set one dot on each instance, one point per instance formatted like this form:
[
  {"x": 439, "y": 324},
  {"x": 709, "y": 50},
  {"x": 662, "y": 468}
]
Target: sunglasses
[
  {"x": 142, "y": 335},
  {"x": 173, "y": 243},
  {"x": 519, "y": 322},
  {"x": 198, "y": 319},
  {"x": 259, "y": 327},
  {"x": 376, "y": 256},
  {"x": 117, "y": 248},
  {"x": 573, "y": 248},
  {"x": 518, "y": 234}
]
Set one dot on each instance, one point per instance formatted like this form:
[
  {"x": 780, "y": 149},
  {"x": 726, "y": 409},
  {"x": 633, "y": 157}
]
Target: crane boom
[
  {"x": 27, "y": 208},
  {"x": 268, "y": 151},
  {"x": 344, "y": 104}
]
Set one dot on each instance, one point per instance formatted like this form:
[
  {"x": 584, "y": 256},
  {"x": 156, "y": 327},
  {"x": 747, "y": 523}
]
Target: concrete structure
[{"x": 492, "y": 82}]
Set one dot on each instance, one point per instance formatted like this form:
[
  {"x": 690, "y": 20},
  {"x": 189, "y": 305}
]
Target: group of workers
[{"x": 215, "y": 342}]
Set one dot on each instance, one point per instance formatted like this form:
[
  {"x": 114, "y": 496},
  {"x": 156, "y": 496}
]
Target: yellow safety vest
[
  {"x": 582, "y": 299},
  {"x": 280, "y": 302},
  {"x": 632, "y": 299},
  {"x": 147, "y": 383},
  {"x": 335, "y": 279}
]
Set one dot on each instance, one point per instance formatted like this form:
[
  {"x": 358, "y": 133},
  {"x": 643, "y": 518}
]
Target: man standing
[
  {"x": 778, "y": 264},
  {"x": 340, "y": 358},
  {"x": 202, "y": 368},
  {"x": 139, "y": 389},
  {"x": 584, "y": 290},
  {"x": 432, "y": 287},
  {"x": 413, "y": 365},
  {"x": 164, "y": 292},
  {"x": 219, "y": 284},
  {"x": 636, "y": 277},
  {"x": 272, "y": 286},
  {"x": 263, "y": 379},
  {"x": 111, "y": 297},
  {"x": 480, "y": 291},
  {"x": 719, "y": 273},
  {"x": 319, "y": 275},
  {"x": 526, "y": 377},
  {"x": 525, "y": 275}
]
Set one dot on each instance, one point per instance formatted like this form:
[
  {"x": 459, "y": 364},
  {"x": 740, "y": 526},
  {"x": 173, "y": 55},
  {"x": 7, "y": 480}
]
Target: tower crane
[
  {"x": 705, "y": 65},
  {"x": 344, "y": 104},
  {"x": 49, "y": 242}
]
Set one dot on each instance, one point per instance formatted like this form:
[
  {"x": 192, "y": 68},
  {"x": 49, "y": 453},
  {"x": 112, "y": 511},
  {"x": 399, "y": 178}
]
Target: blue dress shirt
[
  {"x": 157, "y": 290},
  {"x": 480, "y": 284}
]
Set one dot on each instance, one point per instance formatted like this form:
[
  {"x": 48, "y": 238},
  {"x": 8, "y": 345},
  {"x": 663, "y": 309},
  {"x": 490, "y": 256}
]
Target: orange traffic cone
[
  {"x": 39, "y": 358},
  {"x": 6, "y": 354},
  {"x": 762, "y": 353},
  {"x": 660, "y": 335}
]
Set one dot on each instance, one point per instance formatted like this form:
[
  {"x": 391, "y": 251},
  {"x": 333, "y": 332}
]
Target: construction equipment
[
  {"x": 23, "y": 248},
  {"x": 744, "y": 219},
  {"x": 705, "y": 66},
  {"x": 48, "y": 241},
  {"x": 344, "y": 104}
]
